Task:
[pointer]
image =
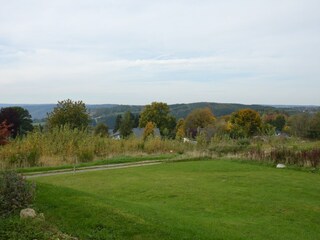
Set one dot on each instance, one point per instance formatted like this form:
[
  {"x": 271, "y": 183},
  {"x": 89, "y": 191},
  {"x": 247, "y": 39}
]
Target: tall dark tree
[
  {"x": 135, "y": 120},
  {"x": 118, "y": 123},
  {"x": 126, "y": 125},
  {"x": 18, "y": 118},
  {"x": 71, "y": 113}
]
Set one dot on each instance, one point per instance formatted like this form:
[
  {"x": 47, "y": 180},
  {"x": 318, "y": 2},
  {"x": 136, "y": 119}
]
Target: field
[{"x": 204, "y": 199}]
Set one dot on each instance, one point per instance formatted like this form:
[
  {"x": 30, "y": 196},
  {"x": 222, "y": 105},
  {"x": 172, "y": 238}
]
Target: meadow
[
  {"x": 203, "y": 199},
  {"x": 222, "y": 188},
  {"x": 65, "y": 147}
]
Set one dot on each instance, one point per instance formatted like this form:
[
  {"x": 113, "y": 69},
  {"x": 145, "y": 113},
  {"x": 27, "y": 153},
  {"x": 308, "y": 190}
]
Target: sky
[{"x": 174, "y": 51}]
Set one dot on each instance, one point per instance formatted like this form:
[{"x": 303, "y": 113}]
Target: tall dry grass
[
  {"x": 67, "y": 146},
  {"x": 64, "y": 145}
]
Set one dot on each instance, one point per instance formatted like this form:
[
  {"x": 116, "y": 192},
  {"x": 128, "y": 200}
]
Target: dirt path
[{"x": 94, "y": 168}]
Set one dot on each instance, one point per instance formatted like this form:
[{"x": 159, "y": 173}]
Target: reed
[{"x": 67, "y": 146}]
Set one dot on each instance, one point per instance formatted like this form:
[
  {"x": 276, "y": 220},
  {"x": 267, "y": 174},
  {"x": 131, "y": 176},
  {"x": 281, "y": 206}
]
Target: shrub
[
  {"x": 85, "y": 155},
  {"x": 25, "y": 158},
  {"x": 101, "y": 130},
  {"x": 4, "y": 132},
  {"x": 15, "y": 192},
  {"x": 12, "y": 228},
  {"x": 310, "y": 157},
  {"x": 202, "y": 140}
]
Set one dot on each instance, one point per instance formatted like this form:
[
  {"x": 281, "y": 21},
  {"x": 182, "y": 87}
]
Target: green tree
[
  {"x": 197, "y": 119},
  {"x": 245, "y": 123},
  {"x": 314, "y": 127},
  {"x": 159, "y": 114},
  {"x": 134, "y": 119},
  {"x": 276, "y": 120},
  {"x": 126, "y": 125},
  {"x": 267, "y": 129},
  {"x": 71, "y": 113},
  {"x": 299, "y": 124},
  {"x": 101, "y": 130},
  {"x": 279, "y": 122},
  {"x": 117, "y": 123},
  {"x": 18, "y": 118}
]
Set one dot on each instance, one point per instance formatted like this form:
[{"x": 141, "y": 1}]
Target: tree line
[{"x": 245, "y": 123}]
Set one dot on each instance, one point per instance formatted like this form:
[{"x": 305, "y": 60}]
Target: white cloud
[{"x": 81, "y": 49}]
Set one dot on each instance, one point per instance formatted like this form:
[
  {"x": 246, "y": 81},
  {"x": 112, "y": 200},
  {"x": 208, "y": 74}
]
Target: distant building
[{"x": 115, "y": 135}]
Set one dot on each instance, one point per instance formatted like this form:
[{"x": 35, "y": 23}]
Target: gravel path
[{"x": 93, "y": 168}]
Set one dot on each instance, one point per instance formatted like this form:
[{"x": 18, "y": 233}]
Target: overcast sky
[{"x": 175, "y": 51}]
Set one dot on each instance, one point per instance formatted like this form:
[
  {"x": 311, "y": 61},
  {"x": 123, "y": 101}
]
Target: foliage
[
  {"x": 305, "y": 125},
  {"x": 63, "y": 146},
  {"x": 276, "y": 120},
  {"x": 101, "y": 130},
  {"x": 15, "y": 192},
  {"x": 180, "y": 129},
  {"x": 220, "y": 127},
  {"x": 313, "y": 131},
  {"x": 197, "y": 119},
  {"x": 18, "y": 118},
  {"x": 4, "y": 132},
  {"x": 267, "y": 129},
  {"x": 245, "y": 123},
  {"x": 158, "y": 113},
  {"x": 202, "y": 141},
  {"x": 149, "y": 130},
  {"x": 117, "y": 123},
  {"x": 108, "y": 114},
  {"x": 68, "y": 112},
  {"x": 298, "y": 124},
  {"x": 135, "y": 119},
  {"x": 126, "y": 125}
]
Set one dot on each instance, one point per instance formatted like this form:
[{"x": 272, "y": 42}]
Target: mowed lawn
[{"x": 214, "y": 199}]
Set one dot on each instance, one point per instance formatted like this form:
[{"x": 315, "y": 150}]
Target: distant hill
[
  {"x": 107, "y": 113},
  {"x": 218, "y": 109},
  {"x": 39, "y": 111}
]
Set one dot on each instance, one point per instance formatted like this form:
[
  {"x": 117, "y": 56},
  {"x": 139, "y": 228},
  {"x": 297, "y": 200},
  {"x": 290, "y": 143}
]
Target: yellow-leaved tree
[
  {"x": 180, "y": 129},
  {"x": 245, "y": 123},
  {"x": 148, "y": 130}
]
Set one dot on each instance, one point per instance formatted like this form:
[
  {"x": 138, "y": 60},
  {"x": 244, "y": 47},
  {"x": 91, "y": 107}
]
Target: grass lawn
[
  {"x": 114, "y": 160},
  {"x": 214, "y": 199}
]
